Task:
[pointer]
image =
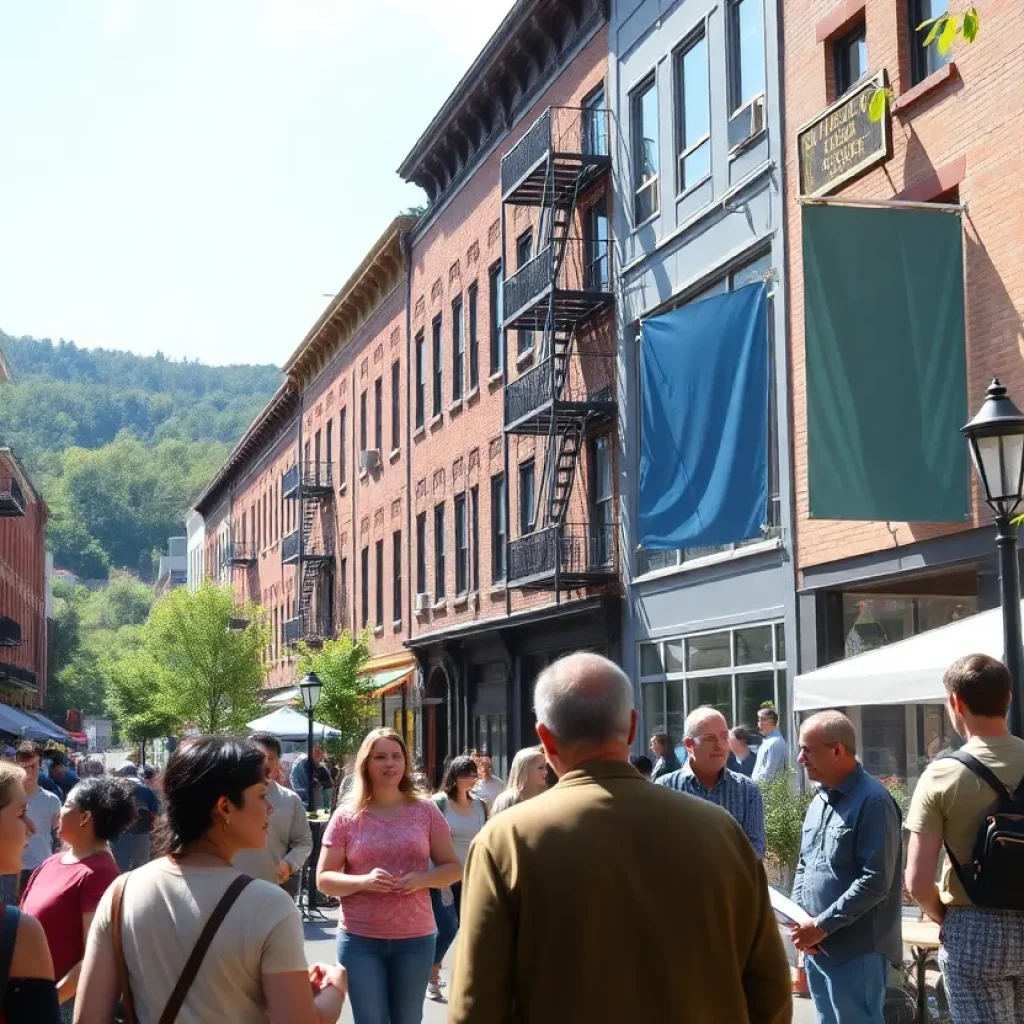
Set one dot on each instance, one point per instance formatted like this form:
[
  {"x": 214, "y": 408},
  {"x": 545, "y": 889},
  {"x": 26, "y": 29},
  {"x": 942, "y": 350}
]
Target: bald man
[
  {"x": 571, "y": 914},
  {"x": 706, "y": 736}
]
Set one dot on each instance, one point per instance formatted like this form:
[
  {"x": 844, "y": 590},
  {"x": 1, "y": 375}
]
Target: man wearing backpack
[{"x": 963, "y": 801}]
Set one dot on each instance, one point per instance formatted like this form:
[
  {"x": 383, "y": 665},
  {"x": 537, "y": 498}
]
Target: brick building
[{"x": 953, "y": 139}]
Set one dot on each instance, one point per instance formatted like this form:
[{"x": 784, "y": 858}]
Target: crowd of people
[{"x": 549, "y": 893}]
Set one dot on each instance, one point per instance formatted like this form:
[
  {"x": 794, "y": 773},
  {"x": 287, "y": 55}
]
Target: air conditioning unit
[
  {"x": 747, "y": 122},
  {"x": 369, "y": 460},
  {"x": 421, "y": 603}
]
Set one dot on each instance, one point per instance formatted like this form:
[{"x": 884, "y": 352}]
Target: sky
[{"x": 192, "y": 176}]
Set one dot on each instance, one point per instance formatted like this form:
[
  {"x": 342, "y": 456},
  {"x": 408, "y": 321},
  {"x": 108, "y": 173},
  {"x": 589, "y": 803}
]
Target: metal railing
[
  {"x": 582, "y": 549},
  {"x": 290, "y": 546},
  {"x": 585, "y": 378},
  {"x": 320, "y": 545},
  {"x": 315, "y": 476},
  {"x": 569, "y": 131},
  {"x": 242, "y": 552},
  {"x": 12, "y": 498},
  {"x": 291, "y": 631},
  {"x": 530, "y": 280}
]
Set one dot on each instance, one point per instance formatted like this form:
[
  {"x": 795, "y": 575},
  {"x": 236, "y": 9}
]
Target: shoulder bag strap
[
  {"x": 120, "y": 966},
  {"x": 188, "y": 975},
  {"x": 8, "y": 936},
  {"x": 981, "y": 770}
]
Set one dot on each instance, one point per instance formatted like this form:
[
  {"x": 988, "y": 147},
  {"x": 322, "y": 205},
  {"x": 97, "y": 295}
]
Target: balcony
[
  {"x": 10, "y": 632},
  {"x": 317, "y": 549},
  {"x": 291, "y": 631},
  {"x": 316, "y": 480},
  {"x": 580, "y": 554},
  {"x": 12, "y": 498},
  {"x": 318, "y": 630},
  {"x": 242, "y": 552},
  {"x": 563, "y": 387},
  {"x": 582, "y": 284},
  {"x": 576, "y": 141}
]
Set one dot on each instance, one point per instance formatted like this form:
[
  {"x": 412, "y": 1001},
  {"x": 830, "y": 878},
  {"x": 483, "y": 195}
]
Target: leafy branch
[{"x": 943, "y": 31}]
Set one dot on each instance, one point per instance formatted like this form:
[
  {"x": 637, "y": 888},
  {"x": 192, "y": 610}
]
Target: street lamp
[
  {"x": 310, "y": 687},
  {"x": 996, "y": 439}
]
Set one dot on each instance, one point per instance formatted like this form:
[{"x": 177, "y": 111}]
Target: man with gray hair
[
  {"x": 706, "y": 736},
  {"x": 848, "y": 877},
  {"x": 572, "y": 901}
]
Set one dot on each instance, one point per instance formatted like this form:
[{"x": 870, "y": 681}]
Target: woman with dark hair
[
  {"x": 29, "y": 992},
  {"x": 65, "y": 890},
  {"x": 383, "y": 849},
  {"x": 215, "y": 793},
  {"x": 466, "y": 814}
]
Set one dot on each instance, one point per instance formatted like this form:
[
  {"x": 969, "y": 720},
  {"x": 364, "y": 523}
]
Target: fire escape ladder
[{"x": 570, "y": 443}]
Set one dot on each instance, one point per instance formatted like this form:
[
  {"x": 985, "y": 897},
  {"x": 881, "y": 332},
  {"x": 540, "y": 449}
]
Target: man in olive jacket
[{"x": 607, "y": 898}]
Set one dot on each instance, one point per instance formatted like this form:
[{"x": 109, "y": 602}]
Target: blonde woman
[
  {"x": 28, "y": 990},
  {"x": 376, "y": 858},
  {"x": 526, "y": 779}
]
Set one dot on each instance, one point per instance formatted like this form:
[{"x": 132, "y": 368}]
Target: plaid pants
[{"x": 982, "y": 961}]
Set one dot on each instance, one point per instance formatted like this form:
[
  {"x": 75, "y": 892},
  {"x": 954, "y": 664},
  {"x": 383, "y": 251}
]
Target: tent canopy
[
  {"x": 907, "y": 672},
  {"x": 287, "y": 724},
  {"x": 29, "y": 726}
]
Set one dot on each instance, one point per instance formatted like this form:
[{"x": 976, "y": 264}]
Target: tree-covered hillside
[{"x": 120, "y": 445}]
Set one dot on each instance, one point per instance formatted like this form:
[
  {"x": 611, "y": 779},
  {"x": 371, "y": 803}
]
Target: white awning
[
  {"x": 907, "y": 672},
  {"x": 287, "y": 724},
  {"x": 284, "y": 697}
]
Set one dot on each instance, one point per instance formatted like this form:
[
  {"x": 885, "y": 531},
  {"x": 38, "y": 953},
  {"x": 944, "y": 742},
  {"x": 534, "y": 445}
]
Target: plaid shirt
[{"x": 734, "y": 792}]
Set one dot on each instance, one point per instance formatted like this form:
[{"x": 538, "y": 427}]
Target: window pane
[
  {"x": 651, "y": 560},
  {"x": 646, "y": 128},
  {"x": 884, "y": 739},
  {"x": 749, "y": 41},
  {"x": 694, "y": 112},
  {"x": 711, "y": 651},
  {"x": 675, "y": 716},
  {"x": 713, "y": 692},
  {"x": 697, "y": 165},
  {"x": 654, "y": 708},
  {"x": 751, "y": 272},
  {"x": 650, "y": 660},
  {"x": 780, "y": 642},
  {"x": 753, "y": 689},
  {"x": 753, "y": 645},
  {"x": 674, "y": 660}
]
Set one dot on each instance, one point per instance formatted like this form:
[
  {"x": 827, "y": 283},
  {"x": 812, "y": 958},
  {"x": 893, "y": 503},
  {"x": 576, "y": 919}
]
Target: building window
[
  {"x": 746, "y": 51},
  {"x": 316, "y": 458},
  {"x": 526, "y": 498},
  {"x": 461, "y": 545},
  {"x": 330, "y": 448},
  {"x": 474, "y": 341},
  {"x": 342, "y": 446},
  {"x": 362, "y": 422},
  {"x": 602, "y": 500},
  {"x": 693, "y": 113},
  {"x": 420, "y": 386},
  {"x": 421, "y": 553},
  {"x": 926, "y": 60},
  {"x": 379, "y": 590},
  {"x": 496, "y": 298},
  {"x": 595, "y": 124},
  {"x": 378, "y": 414},
  {"x": 364, "y": 586},
  {"x": 438, "y": 354},
  {"x": 474, "y": 537},
  {"x": 734, "y": 671},
  {"x": 850, "y": 59},
  {"x": 439, "y": 582},
  {"x": 458, "y": 349},
  {"x": 524, "y": 253},
  {"x": 645, "y": 140},
  {"x": 499, "y": 527},
  {"x": 396, "y": 406},
  {"x": 596, "y": 245},
  {"x": 343, "y": 592},
  {"x": 396, "y": 576}
]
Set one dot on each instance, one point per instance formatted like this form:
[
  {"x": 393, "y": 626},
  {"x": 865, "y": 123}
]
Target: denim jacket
[{"x": 849, "y": 874}]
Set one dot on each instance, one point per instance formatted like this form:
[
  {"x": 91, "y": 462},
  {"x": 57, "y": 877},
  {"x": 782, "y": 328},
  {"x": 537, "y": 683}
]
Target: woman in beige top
[{"x": 255, "y": 969}]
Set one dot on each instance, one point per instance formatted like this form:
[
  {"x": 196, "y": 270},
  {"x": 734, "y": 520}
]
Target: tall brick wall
[{"x": 970, "y": 125}]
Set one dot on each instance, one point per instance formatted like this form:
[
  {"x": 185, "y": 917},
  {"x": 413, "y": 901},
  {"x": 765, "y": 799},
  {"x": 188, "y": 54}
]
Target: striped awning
[{"x": 389, "y": 681}]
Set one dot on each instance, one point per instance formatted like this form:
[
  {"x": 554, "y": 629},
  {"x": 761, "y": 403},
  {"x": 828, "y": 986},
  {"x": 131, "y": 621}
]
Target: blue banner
[{"x": 704, "y": 422}]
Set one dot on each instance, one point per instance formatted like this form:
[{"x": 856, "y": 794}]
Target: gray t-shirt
[
  {"x": 44, "y": 813},
  {"x": 464, "y": 826}
]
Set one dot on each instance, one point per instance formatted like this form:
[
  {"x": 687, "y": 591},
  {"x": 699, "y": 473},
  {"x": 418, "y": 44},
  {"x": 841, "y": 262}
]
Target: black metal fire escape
[
  {"x": 309, "y": 550},
  {"x": 560, "y": 293}
]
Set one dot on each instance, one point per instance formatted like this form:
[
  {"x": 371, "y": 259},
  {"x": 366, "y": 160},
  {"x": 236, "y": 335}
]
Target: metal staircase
[
  {"x": 570, "y": 443},
  {"x": 312, "y": 557}
]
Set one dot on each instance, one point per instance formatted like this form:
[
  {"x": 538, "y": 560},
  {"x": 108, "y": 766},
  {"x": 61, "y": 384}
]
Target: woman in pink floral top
[{"x": 376, "y": 857}]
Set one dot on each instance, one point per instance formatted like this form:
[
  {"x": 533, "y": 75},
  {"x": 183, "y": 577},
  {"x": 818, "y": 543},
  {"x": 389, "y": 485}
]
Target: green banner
[{"x": 885, "y": 363}]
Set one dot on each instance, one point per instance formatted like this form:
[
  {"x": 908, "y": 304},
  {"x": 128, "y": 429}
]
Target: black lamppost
[
  {"x": 996, "y": 439},
  {"x": 310, "y": 687}
]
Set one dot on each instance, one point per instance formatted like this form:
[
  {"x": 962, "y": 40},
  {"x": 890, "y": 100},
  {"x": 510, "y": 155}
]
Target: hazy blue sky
[{"x": 192, "y": 175}]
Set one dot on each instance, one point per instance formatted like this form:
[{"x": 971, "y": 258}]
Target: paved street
[{"x": 320, "y": 947}]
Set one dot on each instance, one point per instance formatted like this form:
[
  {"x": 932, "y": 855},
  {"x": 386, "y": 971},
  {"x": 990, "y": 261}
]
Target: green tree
[
  {"x": 206, "y": 674},
  {"x": 784, "y": 809},
  {"x": 133, "y": 680},
  {"x": 124, "y": 601},
  {"x": 345, "y": 699}
]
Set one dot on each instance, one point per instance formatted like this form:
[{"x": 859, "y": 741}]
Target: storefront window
[
  {"x": 871, "y": 620},
  {"x": 711, "y": 651},
  {"x": 714, "y": 692},
  {"x": 753, "y": 689}
]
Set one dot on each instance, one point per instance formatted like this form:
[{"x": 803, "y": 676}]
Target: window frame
[
  {"x": 378, "y": 414},
  {"x": 363, "y": 425},
  {"x": 420, "y": 382},
  {"x": 694, "y": 39},
  {"x": 524, "y": 253},
  {"x": 496, "y": 312},
  {"x": 499, "y": 529},
  {"x": 472, "y": 295},
  {"x": 364, "y": 585},
  {"x": 458, "y": 349},
  {"x": 396, "y": 576},
  {"x": 378, "y": 604},
  {"x": 460, "y": 513},
  {"x": 734, "y": 62},
  {"x": 474, "y": 537},
  {"x": 421, "y": 553},
  {"x": 527, "y": 510},
  {"x": 842, "y": 47},
  {"x": 440, "y": 582},
  {"x": 342, "y": 443},
  {"x": 396, "y": 405},
  {"x": 601, "y": 448},
  {"x": 593, "y": 243},
  {"x": 638, "y": 151},
  {"x": 595, "y": 103},
  {"x": 922, "y": 58},
  {"x": 437, "y": 355}
]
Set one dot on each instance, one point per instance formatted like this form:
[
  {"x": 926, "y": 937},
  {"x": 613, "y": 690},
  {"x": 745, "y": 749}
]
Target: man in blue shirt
[
  {"x": 133, "y": 848},
  {"x": 64, "y": 776},
  {"x": 772, "y": 755},
  {"x": 847, "y": 878},
  {"x": 705, "y": 776}
]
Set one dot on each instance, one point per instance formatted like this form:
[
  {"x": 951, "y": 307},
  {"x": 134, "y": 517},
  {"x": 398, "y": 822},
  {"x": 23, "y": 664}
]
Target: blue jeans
[
  {"x": 131, "y": 850},
  {"x": 387, "y": 978},
  {"x": 848, "y": 993},
  {"x": 447, "y": 922}
]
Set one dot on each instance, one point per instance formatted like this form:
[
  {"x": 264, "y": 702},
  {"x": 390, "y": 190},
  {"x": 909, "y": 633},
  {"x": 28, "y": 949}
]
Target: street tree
[
  {"x": 133, "y": 681},
  {"x": 345, "y": 699},
  {"x": 208, "y": 673}
]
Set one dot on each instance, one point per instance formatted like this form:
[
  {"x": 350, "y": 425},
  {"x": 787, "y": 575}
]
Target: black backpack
[{"x": 994, "y": 877}]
